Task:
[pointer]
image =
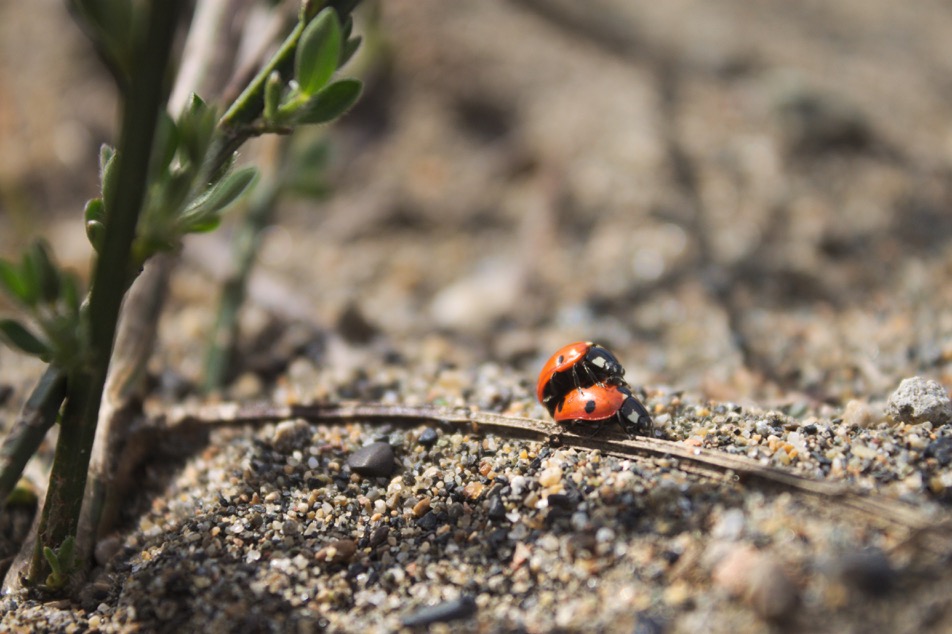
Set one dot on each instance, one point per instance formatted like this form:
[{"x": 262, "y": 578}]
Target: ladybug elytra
[
  {"x": 583, "y": 384},
  {"x": 596, "y": 404},
  {"x": 577, "y": 365}
]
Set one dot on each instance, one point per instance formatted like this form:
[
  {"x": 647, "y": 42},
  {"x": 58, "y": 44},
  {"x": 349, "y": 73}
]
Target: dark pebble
[
  {"x": 379, "y": 535},
  {"x": 941, "y": 450},
  {"x": 373, "y": 460},
  {"x": 460, "y": 608},
  {"x": 497, "y": 510},
  {"x": 337, "y": 552},
  {"x": 428, "y": 437},
  {"x": 354, "y": 327},
  {"x": 868, "y": 570},
  {"x": 562, "y": 501},
  {"x": 649, "y": 624},
  {"x": 428, "y": 522}
]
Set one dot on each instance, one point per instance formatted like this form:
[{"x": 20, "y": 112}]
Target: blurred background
[{"x": 745, "y": 200}]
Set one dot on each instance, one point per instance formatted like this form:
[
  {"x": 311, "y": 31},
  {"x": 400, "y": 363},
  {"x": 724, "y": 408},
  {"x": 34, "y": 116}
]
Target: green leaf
[
  {"x": 44, "y": 271},
  {"x": 94, "y": 210},
  {"x": 70, "y": 293},
  {"x": 350, "y": 47},
  {"x": 318, "y": 52},
  {"x": 13, "y": 282},
  {"x": 272, "y": 95},
  {"x": 94, "y": 215},
  {"x": 18, "y": 337},
  {"x": 165, "y": 145},
  {"x": 66, "y": 553},
  {"x": 200, "y": 212},
  {"x": 196, "y": 127},
  {"x": 108, "y": 164},
  {"x": 204, "y": 225},
  {"x": 329, "y": 103},
  {"x": 52, "y": 560},
  {"x": 96, "y": 233}
]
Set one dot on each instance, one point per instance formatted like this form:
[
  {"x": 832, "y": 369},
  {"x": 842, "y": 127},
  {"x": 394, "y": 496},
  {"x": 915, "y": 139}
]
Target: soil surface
[{"x": 747, "y": 202}]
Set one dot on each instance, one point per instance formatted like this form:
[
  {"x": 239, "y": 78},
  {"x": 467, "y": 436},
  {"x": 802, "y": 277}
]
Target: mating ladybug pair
[{"x": 583, "y": 383}]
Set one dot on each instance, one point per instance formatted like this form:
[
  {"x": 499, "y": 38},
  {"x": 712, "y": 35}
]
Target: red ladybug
[
  {"x": 575, "y": 366},
  {"x": 599, "y": 403}
]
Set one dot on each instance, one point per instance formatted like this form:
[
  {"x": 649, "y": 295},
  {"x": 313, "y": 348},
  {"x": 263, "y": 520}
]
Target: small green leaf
[
  {"x": 165, "y": 145},
  {"x": 94, "y": 215},
  {"x": 318, "y": 52},
  {"x": 66, "y": 554},
  {"x": 106, "y": 152},
  {"x": 53, "y": 561},
  {"x": 108, "y": 164},
  {"x": 13, "y": 283},
  {"x": 205, "y": 225},
  {"x": 94, "y": 210},
  {"x": 18, "y": 337},
  {"x": 196, "y": 125},
  {"x": 96, "y": 233},
  {"x": 350, "y": 47},
  {"x": 272, "y": 95},
  {"x": 218, "y": 196},
  {"x": 70, "y": 293},
  {"x": 329, "y": 103},
  {"x": 44, "y": 271}
]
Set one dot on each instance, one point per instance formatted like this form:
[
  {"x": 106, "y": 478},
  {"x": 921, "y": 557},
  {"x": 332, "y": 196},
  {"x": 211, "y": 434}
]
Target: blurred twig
[{"x": 708, "y": 463}]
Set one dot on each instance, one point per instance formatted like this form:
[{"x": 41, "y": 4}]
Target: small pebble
[
  {"x": 421, "y": 508},
  {"x": 373, "y": 460},
  {"x": 337, "y": 552},
  {"x": 941, "y": 450},
  {"x": 755, "y": 577},
  {"x": 861, "y": 414},
  {"x": 445, "y": 612},
  {"x": 379, "y": 535},
  {"x": 868, "y": 571},
  {"x": 918, "y": 400},
  {"x": 428, "y": 437}
]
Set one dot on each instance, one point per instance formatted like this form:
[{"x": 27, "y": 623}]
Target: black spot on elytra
[{"x": 589, "y": 406}]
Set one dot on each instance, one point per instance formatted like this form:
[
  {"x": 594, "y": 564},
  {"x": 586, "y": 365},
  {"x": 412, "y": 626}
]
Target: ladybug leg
[
  {"x": 592, "y": 377},
  {"x": 577, "y": 380}
]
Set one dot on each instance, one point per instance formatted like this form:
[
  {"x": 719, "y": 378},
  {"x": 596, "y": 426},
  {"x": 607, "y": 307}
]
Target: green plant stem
[
  {"x": 36, "y": 418},
  {"x": 110, "y": 281},
  {"x": 246, "y": 244}
]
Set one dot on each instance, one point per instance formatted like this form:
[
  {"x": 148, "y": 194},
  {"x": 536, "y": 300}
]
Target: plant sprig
[{"x": 168, "y": 177}]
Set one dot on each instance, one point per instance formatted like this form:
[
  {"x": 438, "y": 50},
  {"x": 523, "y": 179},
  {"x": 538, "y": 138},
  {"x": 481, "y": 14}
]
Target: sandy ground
[{"x": 746, "y": 202}]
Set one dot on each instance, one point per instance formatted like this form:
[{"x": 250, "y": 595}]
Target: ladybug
[
  {"x": 599, "y": 403},
  {"x": 575, "y": 366}
]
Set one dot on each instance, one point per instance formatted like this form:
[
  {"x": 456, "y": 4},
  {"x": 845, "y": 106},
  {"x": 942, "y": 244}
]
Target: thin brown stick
[{"x": 708, "y": 463}]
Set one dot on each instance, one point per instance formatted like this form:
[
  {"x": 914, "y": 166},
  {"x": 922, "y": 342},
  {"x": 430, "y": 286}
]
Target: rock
[
  {"x": 861, "y": 414},
  {"x": 918, "y": 400},
  {"x": 373, "y": 460},
  {"x": 428, "y": 437},
  {"x": 868, "y": 570},
  {"x": 497, "y": 510},
  {"x": 291, "y": 434},
  {"x": 771, "y": 592},
  {"x": 379, "y": 536},
  {"x": 337, "y": 552},
  {"x": 354, "y": 327},
  {"x": 941, "y": 450},
  {"x": 453, "y": 610},
  {"x": 755, "y": 577}
]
